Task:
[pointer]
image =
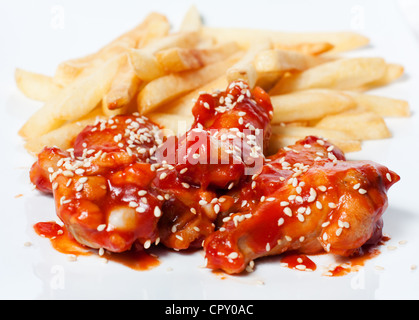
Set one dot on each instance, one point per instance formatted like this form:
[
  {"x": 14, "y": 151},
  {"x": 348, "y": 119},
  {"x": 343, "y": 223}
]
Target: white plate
[{"x": 38, "y": 36}]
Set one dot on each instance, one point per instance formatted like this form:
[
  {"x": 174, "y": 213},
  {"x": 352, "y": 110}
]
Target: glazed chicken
[
  {"x": 307, "y": 199},
  {"x": 223, "y": 145},
  {"x": 123, "y": 185},
  {"x": 102, "y": 186}
]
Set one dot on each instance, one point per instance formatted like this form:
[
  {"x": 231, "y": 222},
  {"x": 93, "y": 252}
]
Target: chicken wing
[
  {"x": 224, "y": 144},
  {"x": 308, "y": 199},
  {"x": 102, "y": 186}
]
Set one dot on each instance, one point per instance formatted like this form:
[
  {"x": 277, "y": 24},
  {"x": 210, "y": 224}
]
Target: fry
[
  {"x": 123, "y": 89},
  {"x": 36, "y": 86},
  {"x": 182, "y": 59},
  {"x": 174, "y": 124},
  {"x": 341, "y": 41},
  {"x": 278, "y": 141},
  {"x": 383, "y": 106},
  {"x": 68, "y": 70},
  {"x": 340, "y": 74},
  {"x": 314, "y": 49},
  {"x": 61, "y": 137},
  {"x": 154, "y": 25},
  {"x": 169, "y": 87},
  {"x": 309, "y": 104},
  {"x": 73, "y": 102},
  {"x": 393, "y": 72},
  {"x": 183, "y": 105},
  {"x": 192, "y": 20},
  {"x": 244, "y": 69},
  {"x": 271, "y": 64},
  {"x": 277, "y": 60},
  {"x": 145, "y": 63},
  {"x": 359, "y": 125}
]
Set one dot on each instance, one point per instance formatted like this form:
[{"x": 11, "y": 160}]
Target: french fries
[
  {"x": 177, "y": 59},
  {"x": 309, "y": 105},
  {"x": 341, "y": 41},
  {"x": 144, "y": 61},
  {"x": 36, "y": 86},
  {"x": 245, "y": 69},
  {"x": 159, "y": 72},
  {"x": 343, "y": 74},
  {"x": 169, "y": 87},
  {"x": 123, "y": 88},
  {"x": 383, "y": 106},
  {"x": 359, "y": 125}
]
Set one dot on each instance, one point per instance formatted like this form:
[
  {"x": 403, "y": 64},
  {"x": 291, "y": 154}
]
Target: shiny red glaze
[
  {"x": 261, "y": 233},
  {"x": 121, "y": 188},
  {"x": 187, "y": 222},
  {"x": 237, "y": 108},
  {"x": 298, "y": 262},
  {"x": 96, "y": 190}
]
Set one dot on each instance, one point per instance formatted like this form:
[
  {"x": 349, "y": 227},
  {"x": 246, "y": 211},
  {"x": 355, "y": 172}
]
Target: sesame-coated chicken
[
  {"x": 308, "y": 199},
  {"x": 223, "y": 146},
  {"x": 123, "y": 184},
  {"x": 102, "y": 186}
]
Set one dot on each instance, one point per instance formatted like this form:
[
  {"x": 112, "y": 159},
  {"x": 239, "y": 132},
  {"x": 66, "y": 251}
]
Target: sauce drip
[
  {"x": 62, "y": 241},
  {"x": 298, "y": 262},
  {"x": 353, "y": 264}
]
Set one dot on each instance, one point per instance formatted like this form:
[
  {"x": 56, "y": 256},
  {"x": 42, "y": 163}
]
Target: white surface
[{"x": 38, "y": 35}]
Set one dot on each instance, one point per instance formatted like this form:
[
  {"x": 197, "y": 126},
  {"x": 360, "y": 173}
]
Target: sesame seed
[
  {"x": 233, "y": 255},
  {"x": 133, "y": 204},
  {"x": 147, "y": 244},
  {"x": 281, "y": 221},
  {"x": 301, "y": 267},
  {"x": 388, "y": 176},
  {"x": 140, "y": 209},
  {"x": 362, "y": 191},
  {"x": 319, "y": 205},
  {"x": 300, "y": 217},
  {"x": 157, "y": 212},
  {"x": 332, "y": 205},
  {"x": 288, "y": 211},
  {"x": 101, "y": 227},
  {"x": 163, "y": 175}
]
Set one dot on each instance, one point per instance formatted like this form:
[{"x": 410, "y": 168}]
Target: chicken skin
[
  {"x": 226, "y": 141},
  {"x": 308, "y": 199},
  {"x": 102, "y": 186}
]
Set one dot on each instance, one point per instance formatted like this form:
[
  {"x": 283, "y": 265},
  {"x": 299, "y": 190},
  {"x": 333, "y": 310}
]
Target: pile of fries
[{"x": 158, "y": 72}]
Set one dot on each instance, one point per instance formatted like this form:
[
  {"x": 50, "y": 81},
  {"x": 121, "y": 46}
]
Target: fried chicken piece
[
  {"x": 102, "y": 186},
  {"x": 225, "y": 141},
  {"x": 308, "y": 199}
]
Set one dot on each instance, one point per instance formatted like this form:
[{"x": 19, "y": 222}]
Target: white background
[{"x": 37, "y": 35}]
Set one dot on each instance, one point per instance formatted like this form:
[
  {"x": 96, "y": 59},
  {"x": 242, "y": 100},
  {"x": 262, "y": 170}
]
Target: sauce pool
[{"x": 62, "y": 241}]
